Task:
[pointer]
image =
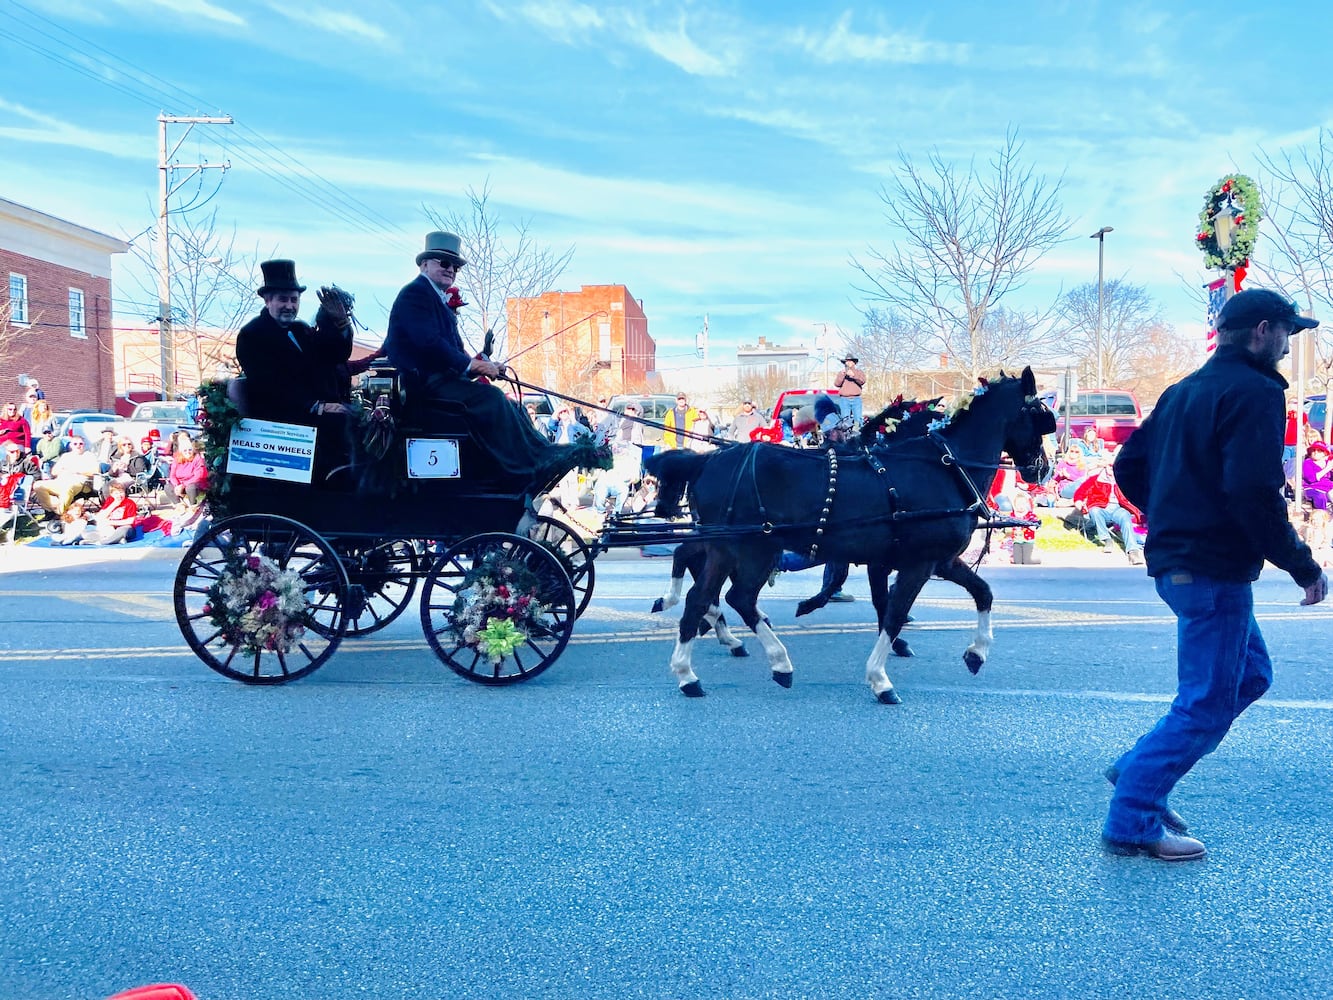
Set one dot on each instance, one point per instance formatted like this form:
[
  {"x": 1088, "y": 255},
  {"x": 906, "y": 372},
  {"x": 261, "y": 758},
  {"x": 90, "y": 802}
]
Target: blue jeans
[
  {"x": 1121, "y": 518},
  {"x": 850, "y": 406},
  {"x": 835, "y": 573},
  {"x": 1222, "y": 667}
]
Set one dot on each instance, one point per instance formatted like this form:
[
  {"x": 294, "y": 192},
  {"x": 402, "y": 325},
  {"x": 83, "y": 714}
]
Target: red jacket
[{"x": 1096, "y": 492}]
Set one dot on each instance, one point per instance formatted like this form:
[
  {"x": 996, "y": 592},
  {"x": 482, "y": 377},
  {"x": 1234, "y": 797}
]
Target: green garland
[
  {"x": 217, "y": 416},
  {"x": 1237, "y": 197}
]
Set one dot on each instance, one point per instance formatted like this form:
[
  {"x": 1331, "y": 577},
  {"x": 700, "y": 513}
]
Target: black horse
[{"x": 909, "y": 506}]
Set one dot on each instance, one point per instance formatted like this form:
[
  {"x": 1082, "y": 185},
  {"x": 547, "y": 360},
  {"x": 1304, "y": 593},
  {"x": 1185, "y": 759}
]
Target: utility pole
[
  {"x": 1100, "y": 237},
  {"x": 823, "y": 341},
  {"x": 165, "y": 189}
]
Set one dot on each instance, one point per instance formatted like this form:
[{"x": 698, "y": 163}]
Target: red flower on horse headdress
[{"x": 455, "y": 297}]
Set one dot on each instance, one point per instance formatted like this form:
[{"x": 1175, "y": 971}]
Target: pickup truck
[
  {"x": 789, "y": 401},
  {"x": 1114, "y": 412},
  {"x": 165, "y": 417}
]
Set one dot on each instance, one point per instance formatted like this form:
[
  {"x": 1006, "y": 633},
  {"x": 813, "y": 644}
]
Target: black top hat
[
  {"x": 279, "y": 276},
  {"x": 1251, "y": 307}
]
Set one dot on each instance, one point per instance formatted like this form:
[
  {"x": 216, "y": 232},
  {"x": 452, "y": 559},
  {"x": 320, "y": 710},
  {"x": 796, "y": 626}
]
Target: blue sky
[{"x": 719, "y": 158}]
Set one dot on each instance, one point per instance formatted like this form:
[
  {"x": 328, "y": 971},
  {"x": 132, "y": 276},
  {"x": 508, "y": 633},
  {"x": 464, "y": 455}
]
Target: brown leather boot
[{"x": 1171, "y": 847}]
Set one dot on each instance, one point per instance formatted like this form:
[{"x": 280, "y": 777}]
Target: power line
[{"x": 302, "y": 180}]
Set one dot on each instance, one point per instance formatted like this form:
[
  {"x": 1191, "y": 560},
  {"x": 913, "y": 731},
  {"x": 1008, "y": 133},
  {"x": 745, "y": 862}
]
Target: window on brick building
[
  {"x": 18, "y": 298},
  {"x": 76, "y": 327}
]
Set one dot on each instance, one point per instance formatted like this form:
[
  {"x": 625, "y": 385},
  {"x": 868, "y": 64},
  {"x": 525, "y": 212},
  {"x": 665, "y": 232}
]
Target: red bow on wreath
[{"x": 455, "y": 298}]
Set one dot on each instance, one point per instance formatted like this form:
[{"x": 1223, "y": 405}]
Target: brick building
[
  {"x": 589, "y": 343},
  {"x": 55, "y": 308}
]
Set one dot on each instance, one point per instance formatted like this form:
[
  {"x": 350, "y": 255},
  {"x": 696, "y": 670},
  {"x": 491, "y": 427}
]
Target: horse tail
[{"x": 675, "y": 471}]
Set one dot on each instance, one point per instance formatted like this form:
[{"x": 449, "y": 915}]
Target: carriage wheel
[
  {"x": 292, "y": 547},
  {"x": 386, "y": 572},
  {"x": 451, "y": 583},
  {"x": 574, "y": 555}
]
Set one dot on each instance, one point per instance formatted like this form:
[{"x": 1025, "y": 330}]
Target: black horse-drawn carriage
[{"x": 269, "y": 591}]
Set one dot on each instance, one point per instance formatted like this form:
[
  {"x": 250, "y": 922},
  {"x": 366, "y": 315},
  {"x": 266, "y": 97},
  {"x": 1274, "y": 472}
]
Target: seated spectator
[
  {"x": 626, "y": 442},
  {"x": 75, "y": 523},
  {"x": 118, "y": 469},
  {"x": 1317, "y": 482},
  {"x": 115, "y": 520},
  {"x": 73, "y": 473},
  {"x": 1094, "y": 450},
  {"x": 48, "y": 449},
  {"x": 1069, "y": 472},
  {"x": 40, "y": 418},
  {"x": 1100, "y": 498},
  {"x": 106, "y": 449},
  {"x": 146, "y": 467},
  {"x": 14, "y": 427},
  {"x": 15, "y": 467},
  {"x": 188, "y": 477}
]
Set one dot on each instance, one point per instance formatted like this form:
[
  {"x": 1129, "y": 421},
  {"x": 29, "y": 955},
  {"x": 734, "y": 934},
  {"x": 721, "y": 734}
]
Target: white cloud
[
  {"x": 564, "y": 20},
  {"x": 676, "y": 47},
  {"x": 336, "y": 23},
  {"x": 842, "y": 43},
  {"x": 190, "y": 9},
  {"x": 53, "y": 132}
]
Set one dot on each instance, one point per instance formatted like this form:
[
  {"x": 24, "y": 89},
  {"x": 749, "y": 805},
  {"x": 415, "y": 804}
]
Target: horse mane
[
  {"x": 901, "y": 418},
  {"x": 962, "y": 406}
]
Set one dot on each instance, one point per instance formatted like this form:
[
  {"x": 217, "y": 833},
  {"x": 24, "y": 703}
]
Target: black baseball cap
[{"x": 1246, "y": 310}]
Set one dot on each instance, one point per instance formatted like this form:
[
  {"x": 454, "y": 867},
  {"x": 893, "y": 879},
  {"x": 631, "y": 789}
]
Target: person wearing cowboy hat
[
  {"x": 294, "y": 372},
  {"x": 849, "y": 382},
  {"x": 424, "y": 344}
]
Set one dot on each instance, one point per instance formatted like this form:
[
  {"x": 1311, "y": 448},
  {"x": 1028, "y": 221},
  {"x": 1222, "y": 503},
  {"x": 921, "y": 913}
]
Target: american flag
[{"x": 1217, "y": 296}]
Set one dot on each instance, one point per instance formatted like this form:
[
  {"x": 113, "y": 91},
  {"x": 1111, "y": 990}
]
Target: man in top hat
[
  {"x": 294, "y": 372},
  {"x": 849, "y": 382},
  {"x": 1206, "y": 468},
  {"x": 424, "y": 344}
]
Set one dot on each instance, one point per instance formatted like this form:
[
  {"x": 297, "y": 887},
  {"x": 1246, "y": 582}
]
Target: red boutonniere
[{"x": 455, "y": 297}]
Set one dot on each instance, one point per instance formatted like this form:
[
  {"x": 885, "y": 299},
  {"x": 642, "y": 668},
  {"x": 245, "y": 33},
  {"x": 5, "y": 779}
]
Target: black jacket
[
  {"x": 422, "y": 338},
  {"x": 288, "y": 371},
  {"x": 1206, "y": 469}
]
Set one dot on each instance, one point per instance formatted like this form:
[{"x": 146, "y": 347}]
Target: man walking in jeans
[{"x": 1206, "y": 467}]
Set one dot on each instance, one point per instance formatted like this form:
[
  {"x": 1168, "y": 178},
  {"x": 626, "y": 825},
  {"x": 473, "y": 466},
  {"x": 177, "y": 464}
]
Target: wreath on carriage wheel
[
  {"x": 1229, "y": 222},
  {"x": 257, "y": 605},
  {"x": 498, "y": 607}
]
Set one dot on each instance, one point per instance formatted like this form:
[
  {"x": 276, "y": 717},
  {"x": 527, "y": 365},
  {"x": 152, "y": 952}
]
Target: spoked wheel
[
  {"x": 574, "y": 555},
  {"x": 286, "y": 582},
  {"x": 497, "y": 608},
  {"x": 386, "y": 572}
]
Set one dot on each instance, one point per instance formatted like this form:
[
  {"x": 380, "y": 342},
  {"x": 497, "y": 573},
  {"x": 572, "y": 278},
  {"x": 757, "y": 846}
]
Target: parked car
[
  {"x": 654, "y": 407},
  {"x": 86, "y": 424},
  {"x": 164, "y": 416},
  {"x": 1316, "y": 412},
  {"x": 1114, "y": 412},
  {"x": 787, "y": 403}
]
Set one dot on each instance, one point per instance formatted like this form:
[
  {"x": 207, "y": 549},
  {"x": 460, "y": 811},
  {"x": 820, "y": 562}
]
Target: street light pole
[{"x": 1100, "y": 237}]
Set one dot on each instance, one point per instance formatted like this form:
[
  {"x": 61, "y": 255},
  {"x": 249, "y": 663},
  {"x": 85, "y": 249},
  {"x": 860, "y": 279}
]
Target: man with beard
[{"x": 294, "y": 372}]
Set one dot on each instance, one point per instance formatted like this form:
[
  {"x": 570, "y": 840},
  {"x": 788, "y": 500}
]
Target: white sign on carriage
[{"x": 267, "y": 449}]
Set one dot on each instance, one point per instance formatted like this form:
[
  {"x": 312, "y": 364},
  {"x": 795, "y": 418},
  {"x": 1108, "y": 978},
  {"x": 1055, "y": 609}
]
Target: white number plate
[{"x": 432, "y": 458}]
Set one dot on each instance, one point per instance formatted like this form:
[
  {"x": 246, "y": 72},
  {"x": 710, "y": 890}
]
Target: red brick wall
[{"x": 74, "y": 372}]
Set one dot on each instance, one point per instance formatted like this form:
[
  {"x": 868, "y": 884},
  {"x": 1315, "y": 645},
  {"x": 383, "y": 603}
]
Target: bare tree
[
  {"x": 964, "y": 240},
  {"x": 498, "y": 268},
  {"x": 12, "y": 334},
  {"x": 1298, "y": 239},
  {"x": 212, "y": 293},
  {"x": 1129, "y": 313}
]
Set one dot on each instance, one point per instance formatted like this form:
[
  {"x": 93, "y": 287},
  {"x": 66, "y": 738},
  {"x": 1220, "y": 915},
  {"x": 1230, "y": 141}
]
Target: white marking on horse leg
[
  {"x": 681, "y": 658},
  {"x": 876, "y": 676},
  {"x": 778, "y": 660},
  {"x": 672, "y": 597},
  {"x": 983, "y": 639},
  {"x": 723, "y": 631}
]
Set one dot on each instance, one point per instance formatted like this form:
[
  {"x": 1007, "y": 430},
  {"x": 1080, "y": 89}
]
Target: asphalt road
[{"x": 384, "y": 828}]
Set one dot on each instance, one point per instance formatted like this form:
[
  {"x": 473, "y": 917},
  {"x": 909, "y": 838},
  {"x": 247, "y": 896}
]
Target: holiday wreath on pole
[{"x": 1229, "y": 224}]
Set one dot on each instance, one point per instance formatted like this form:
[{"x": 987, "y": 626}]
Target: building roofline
[{"x": 72, "y": 230}]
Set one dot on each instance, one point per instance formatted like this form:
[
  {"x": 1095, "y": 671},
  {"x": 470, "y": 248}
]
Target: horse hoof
[
  {"x": 908, "y": 620},
  {"x": 900, "y": 648},
  {"x": 804, "y": 608},
  {"x": 739, "y": 651},
  {"x": 692, "y": 690},
  {"x": 889, "y": 697},
  {"x": 973, "y": 661},
  {"x": 784, "y": 679},
  {"x": 657, "y": 606}
]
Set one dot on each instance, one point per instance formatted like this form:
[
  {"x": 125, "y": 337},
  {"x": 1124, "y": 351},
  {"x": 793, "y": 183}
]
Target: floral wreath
[
  {"x": 498, "y": 606},
  {"x": 257, "y": 605},
  {"x": 1236, "y": 201}
]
